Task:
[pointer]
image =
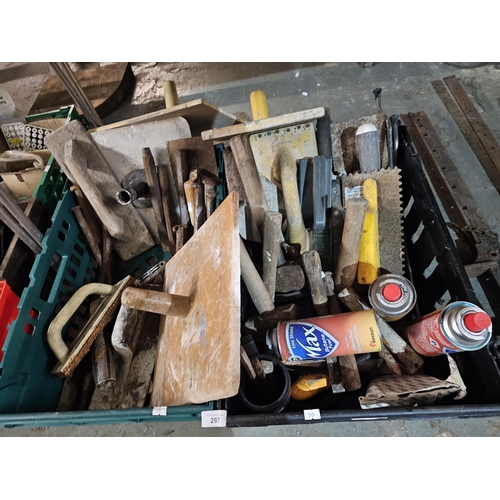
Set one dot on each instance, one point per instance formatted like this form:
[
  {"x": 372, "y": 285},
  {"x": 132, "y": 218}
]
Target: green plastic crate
[
  {"x": 50, "y": 187},
  {"x": 28, "y": 392},
  {"x": 62, "y": 267}
]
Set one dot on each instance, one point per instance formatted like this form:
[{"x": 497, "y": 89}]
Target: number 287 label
[{"x": 213, "y": 418}]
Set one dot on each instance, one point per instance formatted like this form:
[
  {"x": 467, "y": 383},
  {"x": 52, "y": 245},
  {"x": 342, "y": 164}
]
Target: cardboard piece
[{"x": 413, "y": 390}]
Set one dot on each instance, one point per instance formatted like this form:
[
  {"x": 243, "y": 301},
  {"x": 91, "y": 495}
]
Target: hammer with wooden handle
[
  {"x": 347, "y": 263},
  {"x": 312, "y": 268}
]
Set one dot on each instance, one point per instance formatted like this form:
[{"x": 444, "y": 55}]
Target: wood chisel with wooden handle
[
  {"x": 189, "y": 193},
  {"x": 178, "y": 159},
  {"x": 271, "y": 250},
  {"x": 156, "y": 199},
  {"x": 199, "y": 205},
  {"x": 347, "y": 264},
  {"x": 369, "y": 252}
]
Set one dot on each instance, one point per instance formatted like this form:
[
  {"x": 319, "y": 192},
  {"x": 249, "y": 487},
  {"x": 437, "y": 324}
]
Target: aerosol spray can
[
  {"x": 460, "y": 326},
  {"x": 317, "y": 338},
  {"x": 392, "y": 296}
]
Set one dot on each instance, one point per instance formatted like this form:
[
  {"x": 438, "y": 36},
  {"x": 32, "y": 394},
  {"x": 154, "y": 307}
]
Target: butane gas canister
[
  {"x": 392, "y": 296},
  {"x": 460, "y": 326},
  {"x": 317, "y": 338}
]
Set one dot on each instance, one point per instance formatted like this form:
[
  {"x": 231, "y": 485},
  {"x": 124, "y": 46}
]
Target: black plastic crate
[{"x": 439, "y": 276}]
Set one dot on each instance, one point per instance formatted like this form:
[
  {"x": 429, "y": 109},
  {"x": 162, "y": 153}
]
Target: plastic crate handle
[{"x": 54, "y": 334}]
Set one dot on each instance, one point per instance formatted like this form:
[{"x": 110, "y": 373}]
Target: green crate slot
[
  {"x": 26, "y": 384},
  {"x": 137, "y": 266}
]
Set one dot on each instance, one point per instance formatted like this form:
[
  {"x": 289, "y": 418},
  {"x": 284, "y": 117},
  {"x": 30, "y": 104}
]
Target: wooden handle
[
  {"x": 386, "y": 355},
  {"x": 157, "y": 302},
  {"x": 312, "y": 267},
  {"x": 347, "y": 264},
  {"x": 333, "y": 367},
  {"x": 256, "y": 288},
  {"x": 333, "y": 302},
  {"x": 189, "y": 192},
  {"x": 170, "y": 94},
  {"x": 271, "y": 250},
  {"x": 181, "y": 174},
  {"x": 210, "y": 193},
  {"x": 296, "y": 229},
  {"x": 103, "y": 363},
  {"x": 350, "y": 373},
  {"x": 258, "y": 103},
  {"x": 156, "y": 199},
  {"x": 247, "y": 168},
  {"x": 247, "y": 364},
  {"x": 369, "y": 253},
  {"x": 404, "y": 353},
  {"x": 199, "y": 205},
  {"x": 163, "y": 177}
]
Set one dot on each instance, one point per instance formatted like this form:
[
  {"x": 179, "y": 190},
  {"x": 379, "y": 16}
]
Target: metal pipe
[
  {"x": 68, "y": 79},
  {"x": 8, "y": 201},
  {"x": 16, "y": 228}
]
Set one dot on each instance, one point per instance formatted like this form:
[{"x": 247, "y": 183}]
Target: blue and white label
[
  {"x": 446, "y": 350},
  {"x": 308, "y": 341}
]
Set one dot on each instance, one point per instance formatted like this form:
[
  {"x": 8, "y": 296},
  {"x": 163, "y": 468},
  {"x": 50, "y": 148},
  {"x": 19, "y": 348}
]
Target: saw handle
[{"x": 54, "y": 334}]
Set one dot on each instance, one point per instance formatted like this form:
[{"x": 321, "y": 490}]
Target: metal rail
[{"x": 68, "y": 79}]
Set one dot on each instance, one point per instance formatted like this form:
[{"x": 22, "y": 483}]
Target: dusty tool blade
[
  {"x": 345, "y": 157},
  {"x": 390, "y": 215}
]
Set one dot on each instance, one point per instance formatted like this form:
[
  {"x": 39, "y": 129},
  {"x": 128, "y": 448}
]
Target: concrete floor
[{"x": 346, "y": 88}]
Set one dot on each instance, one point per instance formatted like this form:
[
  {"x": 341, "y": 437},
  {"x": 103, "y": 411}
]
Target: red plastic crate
[{"x": 8, "y": 311}]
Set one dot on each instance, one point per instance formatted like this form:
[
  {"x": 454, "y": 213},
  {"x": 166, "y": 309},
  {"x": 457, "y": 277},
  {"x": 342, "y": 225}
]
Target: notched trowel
[{"x": 390, "y": 217}]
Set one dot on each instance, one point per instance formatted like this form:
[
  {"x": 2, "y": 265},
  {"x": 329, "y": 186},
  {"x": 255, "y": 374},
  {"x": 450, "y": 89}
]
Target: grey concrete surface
[
  {"x": 477, "y": 427},
  {"x": 345, "y": 88}
]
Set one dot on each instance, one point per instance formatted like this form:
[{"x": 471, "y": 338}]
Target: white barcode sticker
[
  {"x": 312, "y": 414},
  {"x": 354, "y": 192},
  {"x": 213, "y": 418},
  {"x": 160, "y": 410}
]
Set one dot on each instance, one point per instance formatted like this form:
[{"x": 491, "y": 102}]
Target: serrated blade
[{"x": 390, "y": 217}]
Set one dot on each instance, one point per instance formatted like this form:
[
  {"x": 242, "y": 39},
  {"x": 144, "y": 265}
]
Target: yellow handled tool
[
  {"x": 369, "y": 253},
  {"x": 287, "y": 170},
  {"x": 258, "y": 104}
]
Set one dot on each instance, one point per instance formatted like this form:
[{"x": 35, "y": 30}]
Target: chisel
[{"x": 368, "y": 148}]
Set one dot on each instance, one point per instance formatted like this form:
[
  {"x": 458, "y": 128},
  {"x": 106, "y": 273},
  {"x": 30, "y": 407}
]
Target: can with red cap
[
  {"x": 392, "y": 296},
  {"x": 460, "y": 326}
]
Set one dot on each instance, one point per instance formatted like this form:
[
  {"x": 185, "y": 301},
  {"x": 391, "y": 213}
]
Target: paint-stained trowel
[{"x": 277, "y": 143}]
